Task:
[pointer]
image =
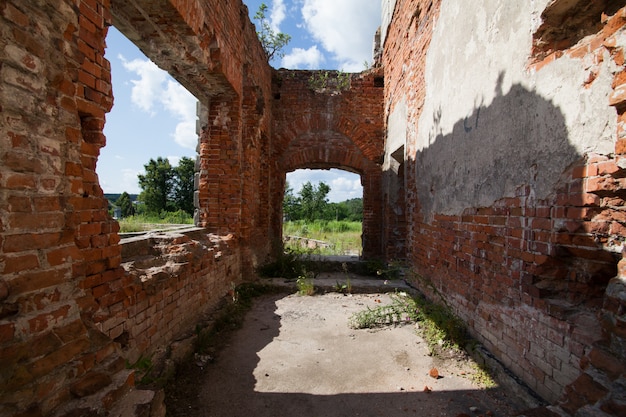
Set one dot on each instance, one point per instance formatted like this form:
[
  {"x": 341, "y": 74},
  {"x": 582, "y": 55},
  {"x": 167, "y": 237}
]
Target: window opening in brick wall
[
  {"x": 331, "y": 225},
  {"x": 152, "y": 122}
]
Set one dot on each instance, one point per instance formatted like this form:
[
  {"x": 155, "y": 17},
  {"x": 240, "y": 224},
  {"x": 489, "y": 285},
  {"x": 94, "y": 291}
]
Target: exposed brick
[
  {"x": 30, "y": 241},
  {"x": 90, "y": 384},
  {"x": 20, "y": 263},
  {"x": 585, "y": 390},
  {"x": 506, "y": 257},
  {"x": 36, "y": 280}
]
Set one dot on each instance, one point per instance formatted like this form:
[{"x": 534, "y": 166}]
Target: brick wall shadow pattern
[{"x": 500, "y": 227}]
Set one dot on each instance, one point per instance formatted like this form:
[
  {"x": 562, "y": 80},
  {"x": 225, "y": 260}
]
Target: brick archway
[
  {"x": 334, "y": 128},
  {"x": 335, "y": 151}
]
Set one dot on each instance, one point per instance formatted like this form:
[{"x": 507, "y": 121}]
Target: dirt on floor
[{"x": 297, "y": 356}]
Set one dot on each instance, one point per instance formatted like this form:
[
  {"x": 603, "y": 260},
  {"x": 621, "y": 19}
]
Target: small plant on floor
[
  {"x": 290, "y": 264},
  {"x": 391, "y": 270},
  {"x": 402, "y": 310},
  {"x": 305, "y": 285},
  {"x": 441, "y": 329},
  {"x": 344, "y": 288},
  {"x": 347, "y": 287},
  {"x": 144, "y": 367}
]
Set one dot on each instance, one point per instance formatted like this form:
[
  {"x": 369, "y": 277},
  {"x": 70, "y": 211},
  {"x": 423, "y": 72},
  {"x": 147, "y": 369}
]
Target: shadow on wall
[
  {"x": 500, "y": 220},
  {"x": 519, "y": 139},
  {"x": 518, "y": 146}
]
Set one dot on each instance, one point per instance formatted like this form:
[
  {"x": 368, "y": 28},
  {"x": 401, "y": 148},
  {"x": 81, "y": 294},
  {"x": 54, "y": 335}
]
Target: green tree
[
  {"x": 291, "y": 204},
  {"x": 272, "y": 42},
  {"x": 313, "y": 200},
  {"x": 183, "y": 184},
  {"x": 125, "y": 204},
  {"x": 157, "y": 185},
  {"x": 354, "y": 209}
]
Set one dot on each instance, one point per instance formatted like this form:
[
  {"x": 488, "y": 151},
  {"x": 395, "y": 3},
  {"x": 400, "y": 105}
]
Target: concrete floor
[{"x": 297, "y": 356}]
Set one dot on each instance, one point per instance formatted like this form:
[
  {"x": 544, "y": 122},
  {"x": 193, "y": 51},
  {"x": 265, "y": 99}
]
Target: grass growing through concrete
[
  {"x": 444, "y": 333},
  {"x": 437, "y": 325},
  {"x": 305, "y": 285}
]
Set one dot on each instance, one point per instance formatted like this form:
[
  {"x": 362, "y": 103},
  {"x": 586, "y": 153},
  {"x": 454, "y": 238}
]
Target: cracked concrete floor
[{"x": 297, "y": 356}]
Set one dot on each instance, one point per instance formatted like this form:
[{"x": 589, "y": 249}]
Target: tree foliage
[
  {"x": 125, "y": 204},
  {"x": 156, "y": 185},
  {"x": 272, "y": 42},
  {"x": 184, "y": 184},
  {"x": 313, "y": 200},
  {"x": 311, "y": 204},
  {"x": 166, "y": 188}
]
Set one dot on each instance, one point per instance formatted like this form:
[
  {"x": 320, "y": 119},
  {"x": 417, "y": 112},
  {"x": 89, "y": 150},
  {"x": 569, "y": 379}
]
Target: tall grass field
[{"x": 343, "y": 237}]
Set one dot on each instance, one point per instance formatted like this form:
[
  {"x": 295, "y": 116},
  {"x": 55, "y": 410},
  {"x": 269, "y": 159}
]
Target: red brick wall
[
  {"x": 335, "y": 128},
  {"x": 171, "y": 280},
  {"x": 529, "y": 276},
  {"x": 56, "y": 239},
  {"x": 65, "y": 295}
]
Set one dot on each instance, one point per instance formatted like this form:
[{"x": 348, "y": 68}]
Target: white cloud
[
  {"x": 303, "y": 58},
  {"x": 345, "y": 28},
  {"x": 278, "y": 14},
  {"x": 346, "y": 187},
  {"x": 129, "y": 180},
  {"x": 154, "y": 87},
  {"x": 182, "y": 104},
  {"x": 146, "y": 89},
  {"x": 343, "y": 185}
]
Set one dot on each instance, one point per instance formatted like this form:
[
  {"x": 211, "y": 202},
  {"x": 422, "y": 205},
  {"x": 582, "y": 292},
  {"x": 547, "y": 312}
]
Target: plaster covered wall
[
  {"x": 490, "y": 123},
  {"x": 511, "y": 182}
]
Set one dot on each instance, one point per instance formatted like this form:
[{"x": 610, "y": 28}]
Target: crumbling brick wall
[
  {"x": 500, "y": 181},
  {"x": 512, "y": 174},
  {"x": 323, "y": 121},
  {"x": 71, "y": 312}
]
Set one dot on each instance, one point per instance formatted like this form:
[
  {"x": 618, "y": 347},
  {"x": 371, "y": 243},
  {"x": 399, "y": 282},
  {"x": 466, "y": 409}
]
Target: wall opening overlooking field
[
  {"x": 323, "y": 212},
  {"x": 153, "y": 119}
]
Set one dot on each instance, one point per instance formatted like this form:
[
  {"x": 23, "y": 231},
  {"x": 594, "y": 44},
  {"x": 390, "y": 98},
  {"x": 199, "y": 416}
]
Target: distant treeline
[
  {"x": 112, "y": 197},
  {"x": 311, "y": 203}
]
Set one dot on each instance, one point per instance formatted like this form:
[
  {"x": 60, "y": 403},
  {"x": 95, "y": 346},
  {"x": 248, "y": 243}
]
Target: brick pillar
[
  {"x": 219, "y": 178},
  {"x": 372, "y": 241}
]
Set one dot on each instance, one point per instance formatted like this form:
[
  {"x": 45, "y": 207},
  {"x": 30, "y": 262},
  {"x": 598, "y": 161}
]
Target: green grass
[
  {"x": 305, "y": 285},
  {"x": 438, "y": 326},
  {"x": 344, "y": 237},
  {"x": 144, "y": 222}
]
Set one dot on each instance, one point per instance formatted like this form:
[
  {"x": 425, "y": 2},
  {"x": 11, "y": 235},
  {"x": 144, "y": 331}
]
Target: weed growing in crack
[
  {"x": 305, "y": 285},
  {"x": 481, "y": 376},
  {"x": 435, "y": 323},
  {"x": 402, "y": 310},
  {"x": 391, "y": 270},
  {"x": 333, "y": 81},
  {"x": 347, "y": 287},
  {"x": 143, "y": 368}
]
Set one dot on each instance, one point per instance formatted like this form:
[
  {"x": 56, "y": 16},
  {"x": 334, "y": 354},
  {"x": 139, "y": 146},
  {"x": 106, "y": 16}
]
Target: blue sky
[{"x": 155, "y": 116}]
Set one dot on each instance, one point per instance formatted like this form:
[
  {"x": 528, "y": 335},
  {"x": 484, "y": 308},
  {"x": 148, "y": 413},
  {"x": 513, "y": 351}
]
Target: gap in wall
[
  {"x": 343, "y": 200},
  {"x": 152, "y": 116}
]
